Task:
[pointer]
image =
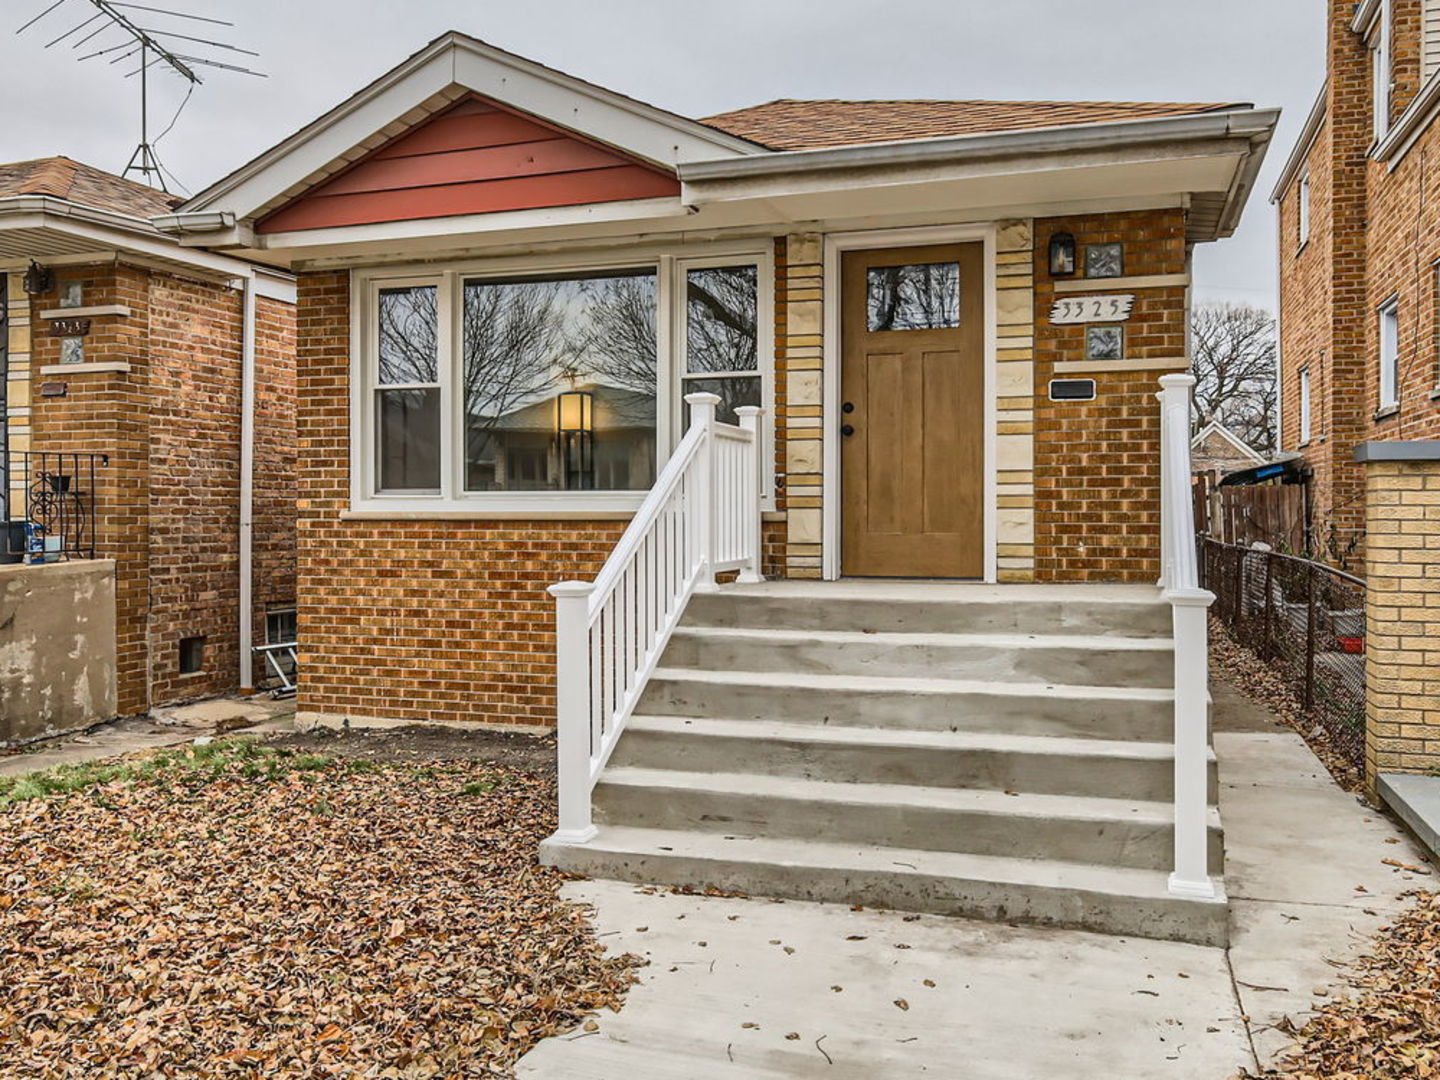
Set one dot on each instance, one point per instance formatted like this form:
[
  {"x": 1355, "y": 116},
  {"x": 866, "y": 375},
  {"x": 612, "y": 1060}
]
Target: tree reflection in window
[
  {"x": 525, "y": 342},
  {"x": 917, "y": 296},
  {"x": 721, "y": 342}
]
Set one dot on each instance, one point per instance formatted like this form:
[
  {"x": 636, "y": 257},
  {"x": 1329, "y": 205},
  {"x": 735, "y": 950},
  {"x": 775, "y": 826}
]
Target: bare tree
[{"x": 1233, "y": 357}]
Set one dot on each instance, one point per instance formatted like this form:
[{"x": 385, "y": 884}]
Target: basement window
[{"x": 192, "y": 655}]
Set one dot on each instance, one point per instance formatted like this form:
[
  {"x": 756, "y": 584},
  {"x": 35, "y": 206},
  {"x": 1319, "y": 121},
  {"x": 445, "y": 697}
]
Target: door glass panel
[{"x": 919, "y": 296}]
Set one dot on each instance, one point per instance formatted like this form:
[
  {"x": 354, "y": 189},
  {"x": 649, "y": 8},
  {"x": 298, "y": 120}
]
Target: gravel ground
[{"x": 249, "y": 910}]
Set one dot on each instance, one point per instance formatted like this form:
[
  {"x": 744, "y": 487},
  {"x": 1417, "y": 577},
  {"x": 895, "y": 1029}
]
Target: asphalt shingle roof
[
  {"x": 62, "y": 178},
  {"x": 790, "y": 124}
]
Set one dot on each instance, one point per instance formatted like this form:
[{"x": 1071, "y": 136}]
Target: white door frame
[{"x": 835, "y": 245}]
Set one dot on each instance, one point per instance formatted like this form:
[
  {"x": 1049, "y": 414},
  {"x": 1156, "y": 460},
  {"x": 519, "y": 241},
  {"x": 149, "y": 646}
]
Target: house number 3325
[{"x": 1086, "y": 309}]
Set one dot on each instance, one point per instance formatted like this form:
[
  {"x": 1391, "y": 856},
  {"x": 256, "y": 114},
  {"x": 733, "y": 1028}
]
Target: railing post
[
  {"x": 702, "y": 412},
  {"x": 573, "y": 712},
  {"x": 1191, "y": 876},
  {"x": 1167, "y": 560},
  {"x": 750, "y": 573}
]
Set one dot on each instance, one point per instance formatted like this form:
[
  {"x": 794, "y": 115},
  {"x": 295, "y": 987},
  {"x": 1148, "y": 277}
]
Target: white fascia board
[
  {"x": 1412, "y": 123},
  {"x": 644, "y": 213},
  {"x": 1366, "y": 12},
  {"x": 1301, "y": 149},
  {"x": 455, "y": 60},
  {"x": 108, "y": 231}
]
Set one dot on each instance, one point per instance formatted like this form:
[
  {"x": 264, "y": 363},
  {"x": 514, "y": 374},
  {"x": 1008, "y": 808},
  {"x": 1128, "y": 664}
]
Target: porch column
[
  {"x": 801, "y": 347},
  {"x": 1402, "y": 607}
]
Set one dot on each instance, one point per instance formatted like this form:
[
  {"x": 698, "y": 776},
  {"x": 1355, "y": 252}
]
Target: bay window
[{"x": 532, "y": 386}]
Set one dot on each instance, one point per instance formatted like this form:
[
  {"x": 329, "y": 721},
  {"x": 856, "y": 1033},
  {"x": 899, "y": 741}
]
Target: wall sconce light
[
  {"x": 574, "y": 412},
  {"x": 38, "y": 279},
  {"x": 1062, "y": 255},
  {"x": 575, "y": 423}
]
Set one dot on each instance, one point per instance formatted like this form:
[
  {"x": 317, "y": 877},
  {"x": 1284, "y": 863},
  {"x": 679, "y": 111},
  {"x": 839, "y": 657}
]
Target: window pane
[
  {"x": 409, "y": 321},
  {"x": 720, "y": 314},
  {"x": 407, "y": 442},
  {"x": 733, "y": 393},
  {"x": 528, "y": 342},
  {"x": 922, "y": 296}
]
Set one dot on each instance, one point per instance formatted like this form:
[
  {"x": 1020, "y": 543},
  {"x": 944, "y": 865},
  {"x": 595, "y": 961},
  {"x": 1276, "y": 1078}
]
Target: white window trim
[
  {"x": 1302, "y": 188},
  {"x": 1304, "y": 410},
  {"x": 1388, "y": 314},
  {"x": 1381, "y": 73},
  {"x": 450, "y": 501}
]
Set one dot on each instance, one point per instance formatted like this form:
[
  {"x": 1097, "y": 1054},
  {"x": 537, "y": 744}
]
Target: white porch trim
[{"x": 835, "y": 245}]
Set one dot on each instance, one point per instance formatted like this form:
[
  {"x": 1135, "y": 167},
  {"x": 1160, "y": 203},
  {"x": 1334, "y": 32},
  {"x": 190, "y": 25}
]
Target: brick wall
[
  {"x": 1402, "y": 645},
  {"x": 168, "y": 501},
  {"x": 1097, "y": 463}
]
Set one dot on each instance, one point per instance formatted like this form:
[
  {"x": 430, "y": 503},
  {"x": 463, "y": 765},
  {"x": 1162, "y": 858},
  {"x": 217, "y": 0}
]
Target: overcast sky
[{"x": 694, "y": 58}]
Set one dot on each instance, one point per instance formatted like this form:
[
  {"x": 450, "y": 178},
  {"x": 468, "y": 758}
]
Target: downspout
[{"x": 247, "y": 480}]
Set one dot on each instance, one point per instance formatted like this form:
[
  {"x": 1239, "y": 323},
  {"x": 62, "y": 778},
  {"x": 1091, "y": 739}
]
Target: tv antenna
[{"x": 118, "y": 37}]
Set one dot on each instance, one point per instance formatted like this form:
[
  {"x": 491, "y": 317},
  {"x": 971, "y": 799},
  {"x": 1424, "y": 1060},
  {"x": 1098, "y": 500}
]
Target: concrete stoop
[{"x": 991, "y": 752}]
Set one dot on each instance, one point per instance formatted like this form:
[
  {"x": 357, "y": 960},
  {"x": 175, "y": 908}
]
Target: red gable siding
[{"x": 475, "y": 158}]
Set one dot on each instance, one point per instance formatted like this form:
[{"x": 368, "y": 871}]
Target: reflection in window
[
  {"x": 920, "y": 296},
  {"x": 407, "y": 405},
  {"x": 721, "y": 342},
  {"x": 533, "y": 350}
]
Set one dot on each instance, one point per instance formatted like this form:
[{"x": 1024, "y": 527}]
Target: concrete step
[
  {"x": 936, "y": 607},
  {"x": 1076, "y": 660},
  {"x": 1139, "y": 713},
  {"x": 1036, "y": 764},
  {"x": 1110, "y": 899},
  {"x": 1102, "y": 831}
]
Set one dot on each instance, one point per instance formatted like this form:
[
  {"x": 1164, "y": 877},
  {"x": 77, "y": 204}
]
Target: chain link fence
[{"x": 1306, "y": 622}]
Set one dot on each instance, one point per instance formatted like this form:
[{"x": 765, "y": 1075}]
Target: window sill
[
  {"x": 1387, "y": 412},
  {"x": 81, "y": 369}
]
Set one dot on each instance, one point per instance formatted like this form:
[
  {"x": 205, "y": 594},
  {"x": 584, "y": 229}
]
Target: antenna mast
[{"x": 146, "y": 43}]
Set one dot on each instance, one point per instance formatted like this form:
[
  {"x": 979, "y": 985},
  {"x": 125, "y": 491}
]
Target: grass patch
[{"x": 191, "y": 766}]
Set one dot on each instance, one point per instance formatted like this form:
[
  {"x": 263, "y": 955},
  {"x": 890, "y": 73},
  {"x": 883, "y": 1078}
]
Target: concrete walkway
[
  {"x": 170, "y": 726},
  {"x": 761, "y": 989}
]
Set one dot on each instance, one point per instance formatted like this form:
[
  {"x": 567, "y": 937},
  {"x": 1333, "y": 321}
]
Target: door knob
[
  {"x": 848, "y": 407},
  {"x": 847, "y": 430}
]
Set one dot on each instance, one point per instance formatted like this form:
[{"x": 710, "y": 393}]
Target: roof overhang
[
  {"x": 1301, "y": 150},
  {"x": 1209, "y": 160},
  {"x": 445, "y": 70},
  {"x": 50, "y": 230}
]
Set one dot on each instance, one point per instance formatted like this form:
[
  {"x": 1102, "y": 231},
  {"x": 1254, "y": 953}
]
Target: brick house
[
  {"x": 940, "y": 325},
  {"x": 1359, "y": 247},
  {"x": 144, "y": 359}
]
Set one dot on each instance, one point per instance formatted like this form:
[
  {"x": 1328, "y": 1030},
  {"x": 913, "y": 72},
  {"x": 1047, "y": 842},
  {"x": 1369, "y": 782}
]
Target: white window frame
[
  {"x": 1304, "y": 405},
  {"x": 1303, "y": 205},
  {"x": 1381, "y": 72},
  {"x": 451, "y": 500},
  {"x": 1388, "y": 336}
]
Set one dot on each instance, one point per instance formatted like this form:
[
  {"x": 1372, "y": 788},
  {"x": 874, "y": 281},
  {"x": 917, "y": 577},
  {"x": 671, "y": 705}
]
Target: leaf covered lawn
[{"x": 237, "y": 910}]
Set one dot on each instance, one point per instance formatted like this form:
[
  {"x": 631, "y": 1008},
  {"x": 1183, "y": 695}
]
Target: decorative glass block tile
[
  {"x": 72, "y": 294},
  {"x": 1104, "y": 342},
  {"x": 72, "y": 350},
  {"x": 1104, "y": 260},
  {"x": 921, "y": 296}
]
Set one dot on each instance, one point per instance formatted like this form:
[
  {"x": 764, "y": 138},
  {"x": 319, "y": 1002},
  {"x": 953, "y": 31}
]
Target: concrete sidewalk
[{"x": 760, "y": 989}]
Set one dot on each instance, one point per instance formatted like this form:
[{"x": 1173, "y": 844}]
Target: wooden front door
[{"x": 912, "y": 388}]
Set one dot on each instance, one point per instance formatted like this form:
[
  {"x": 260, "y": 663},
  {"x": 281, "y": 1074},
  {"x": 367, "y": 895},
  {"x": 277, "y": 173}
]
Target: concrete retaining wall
[{"x": 57, "y": 648}]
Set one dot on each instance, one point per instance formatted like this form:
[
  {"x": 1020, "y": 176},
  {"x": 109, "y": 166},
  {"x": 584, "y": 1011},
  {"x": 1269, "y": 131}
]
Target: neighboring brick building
[
  {"x": 1359, "y": 229},
  {"x": 469, "y": 194},
  {"x": 123, "y": 343}
]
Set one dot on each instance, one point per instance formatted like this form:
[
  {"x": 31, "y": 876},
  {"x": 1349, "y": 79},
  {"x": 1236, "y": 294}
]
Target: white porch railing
[
  {"x": 1180, "y": 579},
  {"x": 701, "y": 517}
]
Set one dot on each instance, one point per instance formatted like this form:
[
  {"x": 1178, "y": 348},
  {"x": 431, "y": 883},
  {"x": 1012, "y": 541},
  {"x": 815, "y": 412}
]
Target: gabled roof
[
  {"x": 791, "y": 124},
  {"x": 430, "y": 81},
  {"x": 84, "y": 185},
  {"x": 1214, "y": 427}
]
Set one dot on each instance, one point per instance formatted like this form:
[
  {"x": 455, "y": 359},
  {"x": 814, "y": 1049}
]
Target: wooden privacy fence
[{"x": 1272, "y": 514}]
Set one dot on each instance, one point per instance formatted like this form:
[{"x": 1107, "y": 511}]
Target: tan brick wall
[
  {"x": 1097, "y": 463},
  {"x": 168, "y": 501},
  {"x": 801, "y": 428},
  {"x": 1015, "y": 318},
  {"x": 1402, "y": 645}
]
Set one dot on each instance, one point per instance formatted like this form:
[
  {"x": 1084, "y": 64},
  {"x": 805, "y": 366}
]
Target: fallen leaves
[
  {"x": 255, "y": 914},
  {"x": 1388, "y": 1026}
]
